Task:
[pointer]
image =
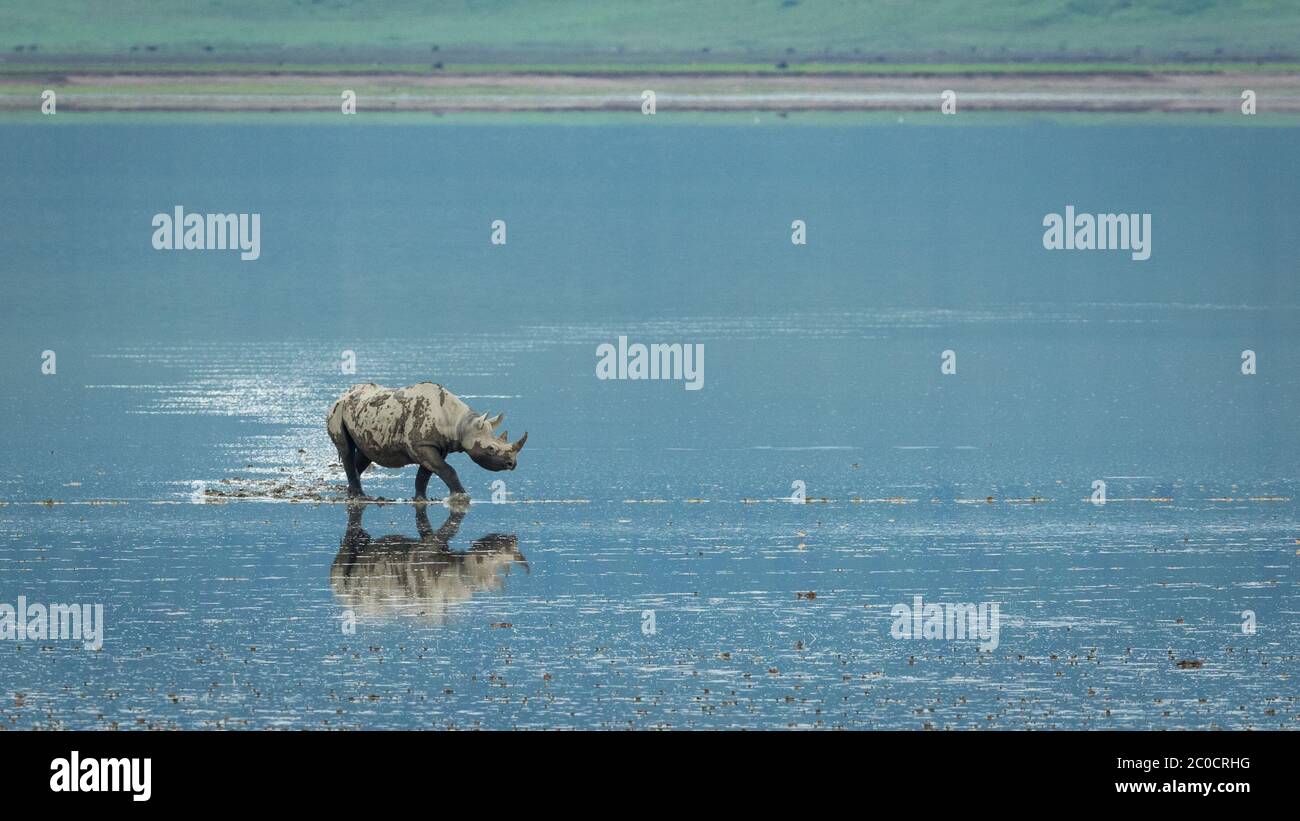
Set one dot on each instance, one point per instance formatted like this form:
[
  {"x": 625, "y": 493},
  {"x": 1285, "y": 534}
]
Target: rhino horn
[{"x": 518, "y": 446}]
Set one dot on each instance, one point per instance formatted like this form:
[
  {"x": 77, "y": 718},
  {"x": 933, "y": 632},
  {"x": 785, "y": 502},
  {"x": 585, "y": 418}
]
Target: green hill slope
[{"x": 650, "y": 31}]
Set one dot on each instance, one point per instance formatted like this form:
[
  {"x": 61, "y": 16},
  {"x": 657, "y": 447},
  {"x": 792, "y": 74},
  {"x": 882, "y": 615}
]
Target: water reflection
[{"x": 396, "y": 576}]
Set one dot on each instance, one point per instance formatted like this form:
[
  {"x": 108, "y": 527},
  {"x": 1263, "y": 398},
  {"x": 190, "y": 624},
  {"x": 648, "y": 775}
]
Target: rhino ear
[{"x": 496, "y": 420}]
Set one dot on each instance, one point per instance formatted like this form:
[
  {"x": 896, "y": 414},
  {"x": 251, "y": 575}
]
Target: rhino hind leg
[{"x": 350, "y": 455}]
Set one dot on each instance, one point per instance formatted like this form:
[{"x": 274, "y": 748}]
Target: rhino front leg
[
  {"x": 432, "y": 463},
  {"x": 422, "y": 483}
]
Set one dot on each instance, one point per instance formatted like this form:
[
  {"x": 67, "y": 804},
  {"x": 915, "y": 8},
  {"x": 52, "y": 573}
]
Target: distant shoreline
[{"x": 1195, "y": 88}]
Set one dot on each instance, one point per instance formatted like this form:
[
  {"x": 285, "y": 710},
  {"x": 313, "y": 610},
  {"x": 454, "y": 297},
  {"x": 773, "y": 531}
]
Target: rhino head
[{"x": 489, "y": 451}]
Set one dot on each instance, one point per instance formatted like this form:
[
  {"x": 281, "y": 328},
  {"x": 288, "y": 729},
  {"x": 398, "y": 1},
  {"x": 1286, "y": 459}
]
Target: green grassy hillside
[{"x": 654, "y": 31}]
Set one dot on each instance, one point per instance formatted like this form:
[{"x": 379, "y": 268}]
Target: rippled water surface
[{"x": 645, "y": 567}]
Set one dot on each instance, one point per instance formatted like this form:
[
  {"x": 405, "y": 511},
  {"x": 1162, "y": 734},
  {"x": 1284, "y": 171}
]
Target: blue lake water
[{"x": 176, "y": 468}]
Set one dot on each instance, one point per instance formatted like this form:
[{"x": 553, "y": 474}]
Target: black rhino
[{"x": 416, "y": 425}]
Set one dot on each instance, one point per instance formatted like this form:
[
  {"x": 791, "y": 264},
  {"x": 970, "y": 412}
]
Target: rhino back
[{"x": 434, "y": 414}]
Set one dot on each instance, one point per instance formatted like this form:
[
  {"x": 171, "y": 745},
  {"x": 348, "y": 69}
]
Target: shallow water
[{"x": 176, "y": 468}]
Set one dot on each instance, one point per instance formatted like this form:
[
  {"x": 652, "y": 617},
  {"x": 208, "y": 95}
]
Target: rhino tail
[{"x": 337, "y": 428}]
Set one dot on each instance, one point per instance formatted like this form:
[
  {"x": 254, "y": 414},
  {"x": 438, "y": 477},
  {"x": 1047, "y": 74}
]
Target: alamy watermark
[
  {"x": 948, "y": 622},
  {"x": 56, "y": 622},
  {"x": 683, "y": 362},
  {"x": 1098, "y": 232},
  {"x": 77, "y": 774},
  {"x": 180, "y": 231}
]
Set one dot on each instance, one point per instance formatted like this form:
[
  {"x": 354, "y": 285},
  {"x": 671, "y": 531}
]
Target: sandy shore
[{"x": 509, "y": 92}]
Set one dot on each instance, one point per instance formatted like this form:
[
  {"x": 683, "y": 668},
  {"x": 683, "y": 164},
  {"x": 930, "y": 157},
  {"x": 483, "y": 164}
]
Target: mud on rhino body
[{"x": 415, "y": 425}]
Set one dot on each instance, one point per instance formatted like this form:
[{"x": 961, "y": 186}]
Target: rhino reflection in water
[{"x": 399, "y": 577}]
